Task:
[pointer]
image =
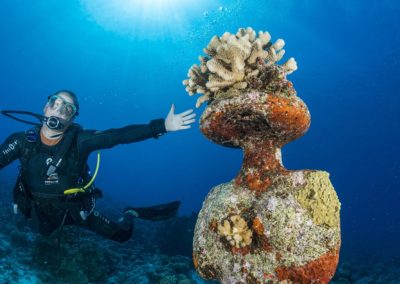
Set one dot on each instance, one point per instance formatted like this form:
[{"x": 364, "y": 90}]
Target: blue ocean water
[{"x": 126, "y": 61}]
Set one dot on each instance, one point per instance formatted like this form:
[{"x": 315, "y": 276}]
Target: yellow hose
[{"x": 82, "y": 189}]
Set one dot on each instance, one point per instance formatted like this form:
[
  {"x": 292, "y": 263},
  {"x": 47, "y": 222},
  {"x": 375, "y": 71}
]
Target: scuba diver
[{"x": 54, "y": 179}]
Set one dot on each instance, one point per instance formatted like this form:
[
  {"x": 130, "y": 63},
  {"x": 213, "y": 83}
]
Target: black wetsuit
[{"x": 46, "y": 192}]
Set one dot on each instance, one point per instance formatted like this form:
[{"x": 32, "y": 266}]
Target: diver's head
[{"x": 60, "y": 110}]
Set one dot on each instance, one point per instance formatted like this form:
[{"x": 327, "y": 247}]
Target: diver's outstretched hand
[{"x": 180, "y": 121}]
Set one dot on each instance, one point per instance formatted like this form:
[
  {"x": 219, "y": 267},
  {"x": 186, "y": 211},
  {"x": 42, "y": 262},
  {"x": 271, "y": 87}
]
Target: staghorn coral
[
  {"x": 238, "y": 61},
  {"x": 236, "y": 231}
]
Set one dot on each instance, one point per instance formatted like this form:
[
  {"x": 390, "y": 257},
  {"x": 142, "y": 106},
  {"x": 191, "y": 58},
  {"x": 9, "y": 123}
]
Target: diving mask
[{"x": 59, "y": 104}]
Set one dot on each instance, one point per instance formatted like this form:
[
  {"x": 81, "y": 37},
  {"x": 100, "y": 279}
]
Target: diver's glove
[{"x": 180, "y": 121}]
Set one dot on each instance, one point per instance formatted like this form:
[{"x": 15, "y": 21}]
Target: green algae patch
[{"x": 319, "y": 198}]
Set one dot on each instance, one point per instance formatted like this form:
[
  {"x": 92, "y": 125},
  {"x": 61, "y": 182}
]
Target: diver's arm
[
  {"x": 90, "y": 140},
  {"x": 10, "y": 150}
]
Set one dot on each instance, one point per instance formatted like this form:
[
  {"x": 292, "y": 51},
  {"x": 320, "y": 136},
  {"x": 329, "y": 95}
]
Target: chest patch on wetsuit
[{"x": 53, "y": 178}]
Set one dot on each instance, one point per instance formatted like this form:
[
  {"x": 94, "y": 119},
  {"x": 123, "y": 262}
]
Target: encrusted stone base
[{"x": 291, "y": 232}]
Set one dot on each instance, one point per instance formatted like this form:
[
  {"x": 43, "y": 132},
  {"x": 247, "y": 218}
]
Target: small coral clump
[
  {"x": 235, "y": 61},
  {"x": 236, "y": 231}
]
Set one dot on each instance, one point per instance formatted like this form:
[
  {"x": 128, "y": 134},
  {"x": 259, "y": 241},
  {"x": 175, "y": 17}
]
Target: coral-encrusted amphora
[{"x": 269, "y": 224}]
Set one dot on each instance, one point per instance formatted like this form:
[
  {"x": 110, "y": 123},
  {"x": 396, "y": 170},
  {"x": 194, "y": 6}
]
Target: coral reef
[
  {"x": 368, "y": 268},
  {"x": 269, "y": 224},
  {"x": 84, "y": 257},
  {"x": 181, "y": 229}
]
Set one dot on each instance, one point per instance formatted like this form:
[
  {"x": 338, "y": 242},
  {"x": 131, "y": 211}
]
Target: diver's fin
[{"x": 157, "y": 212}]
